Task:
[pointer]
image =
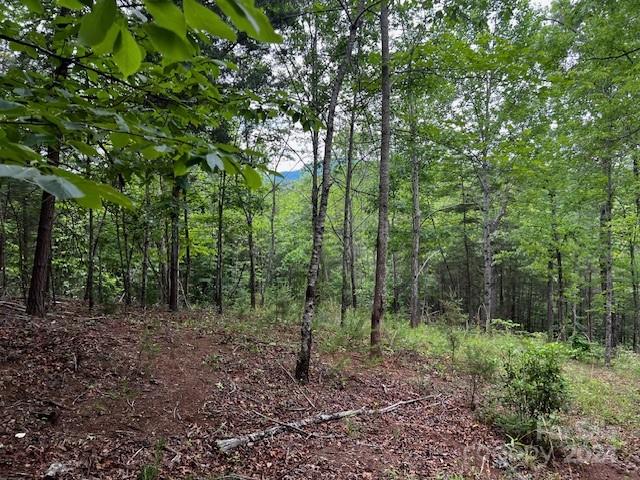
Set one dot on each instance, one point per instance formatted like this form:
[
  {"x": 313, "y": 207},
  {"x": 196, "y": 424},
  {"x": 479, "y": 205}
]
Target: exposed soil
[{"x": 110, "y": 395}]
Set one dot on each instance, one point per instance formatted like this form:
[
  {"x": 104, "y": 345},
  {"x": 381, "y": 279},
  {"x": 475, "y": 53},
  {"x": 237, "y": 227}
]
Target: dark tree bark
[
  {"x": 377, "y": 312},
  {"x": 219, "y": 244},
  {"x": 40, "y": 272},
  {"x": 550, "y": 300},
  {"x": 634, "y": 273},
  {"x": 304, "y": 355},
  {"x": 175, "y": 245},
  {"x": 187, "y": 252},
  {"x": 606, "y": 259},
  {"x": 89, "y": 286},
  {"x": 145, "y": 245}
]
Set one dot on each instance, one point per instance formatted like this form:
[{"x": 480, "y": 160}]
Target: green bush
[
  {"x": 479, "y": 364},
  {"x": 534, "y": 386}
]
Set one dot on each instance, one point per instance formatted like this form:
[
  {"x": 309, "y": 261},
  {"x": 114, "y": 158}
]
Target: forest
[{"x": 376, "y": 239}]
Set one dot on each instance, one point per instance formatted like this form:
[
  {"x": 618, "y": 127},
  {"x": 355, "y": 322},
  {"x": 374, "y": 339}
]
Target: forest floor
[{"x": 146, "y": 394}]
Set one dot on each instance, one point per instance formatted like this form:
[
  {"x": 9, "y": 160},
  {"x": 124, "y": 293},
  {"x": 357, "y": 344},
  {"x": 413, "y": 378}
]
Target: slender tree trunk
[
  {"x": 145, "y": 245},
  {"x": 636, "y": 301},
  {"x": 39, "y": 274},
  {"x": 272, "y": 240},
  {"x": 173, "y": 264},
  {"x": 304, "y": 355},
  {"x": 606, "y": 260},
  {"x": 346, "y": 227},
  {"x": 252, "y": 258},
  {"x": 219, "y": 244},
  {"x": 395, "y": 302},
  {"x": 377, "y": 312},
  {"x": 352, "y": 260},
  {"x": 89, "y": 287},
  {"x": 589, "y": 297},
  {"x": 187, "y": 252},
  {"x": 550, "y": 300},
  {"x": 487, "y": 252},
  {"x": 3, "y": 260},
  {"x": 416, "y": 221}
]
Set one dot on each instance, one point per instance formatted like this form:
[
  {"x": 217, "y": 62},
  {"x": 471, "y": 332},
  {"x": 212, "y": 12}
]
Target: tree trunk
[
  {"x": 416, "y": 220},
  {"x": 219, "y": 245},
  {"x": 550, "y": 300},
  {"x": 636, "y": 301},
  {"x": 606, "y": 260},
  {"x": 187, "y": 252},
  {"x": 89, "y": 287},
  {"x": 346, "y": 228},
  {"x": 252, "y": 258},
  {"x": 145, "y": 246},
  {"x": 304, "y": 355},
  {"x": 377, "y": 312},
  {"x": 39, "y": 274},
  {"x": 487, "y": 251},
  {"x": 173, "y": 264}
]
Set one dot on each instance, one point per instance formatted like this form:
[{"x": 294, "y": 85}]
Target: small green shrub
[
  {"x": 479, "y": 364},
  {"x": 533, "y": 384}
]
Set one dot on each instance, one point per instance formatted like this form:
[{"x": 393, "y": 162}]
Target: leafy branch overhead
[{"x": 114, "y": 81}]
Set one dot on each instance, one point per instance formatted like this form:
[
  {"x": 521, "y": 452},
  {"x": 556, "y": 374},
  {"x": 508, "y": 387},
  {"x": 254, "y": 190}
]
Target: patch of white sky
[{"x": 295, "y": 148}]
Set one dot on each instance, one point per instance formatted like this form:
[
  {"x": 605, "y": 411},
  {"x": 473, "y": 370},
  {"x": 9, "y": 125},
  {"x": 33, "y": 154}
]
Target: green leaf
[
  {"x": 106, "y": 46},
  {"x": 95, "y": 25},
  {"x": 180, "y": 168},
  {"x": 214, "y": 161},
  {"x": 126, "y": 53},
  {"x": 247, "y": 18},
  {"x": 55, "y": 185},
  {"x": 93, "y": 192},
  {"x": 34, "y": 6},
  {"x": 251, "y": 177},
  {"x": 168, "y": 16},
  {"x": 7, "y": 106},
  {"x": 71, "y": 4},
  {"x": 172, "y": 47},
  {"x": 119, "y": 139},
  {"x": 201, "y": 18}
]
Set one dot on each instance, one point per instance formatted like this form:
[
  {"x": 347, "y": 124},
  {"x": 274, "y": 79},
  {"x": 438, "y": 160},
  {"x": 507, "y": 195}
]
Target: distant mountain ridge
[{"x": 291, "y": 176}]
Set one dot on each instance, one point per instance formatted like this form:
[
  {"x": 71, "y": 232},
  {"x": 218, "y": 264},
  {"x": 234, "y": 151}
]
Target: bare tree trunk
[
  {"x": 346, "y": 227},
  {"x": 219, "y": 244},
  {"x": 589, "y": 313},
  {"x": 550, "y": 300},
  {"x": 89, "y": 288},
  {"x": 352, "y": 260},
  {"x": 173, "y": 264},
  {"x": 252, "y": 257},
  {"x": 187, "y": 253},
  {"x": 606, "y": 260},
  {"x": 416, "y": 220},
  {"x": 272, "y": 239},
  {"x": 304, "y": 355},
  {"x": 145, "y": 246},
  {"x": 377, "y": 312},
  {"x": 634, "y": 273},
  {"x": 39, "y": 274},
  {"x": 487, "y": 251},
  {"x": 3, "y": 260}
]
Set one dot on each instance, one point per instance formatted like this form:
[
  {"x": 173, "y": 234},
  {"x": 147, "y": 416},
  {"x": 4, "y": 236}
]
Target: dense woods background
[{"x": 512, "y": 181}]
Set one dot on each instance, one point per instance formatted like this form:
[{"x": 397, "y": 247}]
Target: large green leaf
[
  {"x": 34, "y": 5},
  {"x": 93, "y": 192},
  {"x": 71, "y": 4},
  {"x": 95, "y": 25},
  {"x": 251, "y": 177},
  {"x": 168, "y": 16},
  {"x": 201, "y": 18},
  {"x": 247, "y": 18},
  {"x": 54, "y": 184},
  {"x": 172, "y": 47},
  {"x": 126, "y": 53}
]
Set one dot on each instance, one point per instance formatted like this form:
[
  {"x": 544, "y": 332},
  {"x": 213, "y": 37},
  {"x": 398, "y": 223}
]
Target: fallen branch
[{"x": 228, "y": 444}]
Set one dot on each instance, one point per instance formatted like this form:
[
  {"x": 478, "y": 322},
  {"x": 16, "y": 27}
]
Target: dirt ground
[{"x": 145, "y": 394}]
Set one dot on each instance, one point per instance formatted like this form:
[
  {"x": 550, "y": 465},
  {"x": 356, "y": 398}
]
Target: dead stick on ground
[
  {"x": 228, "y": 444},
  {"x": 297, "y": 385}
]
